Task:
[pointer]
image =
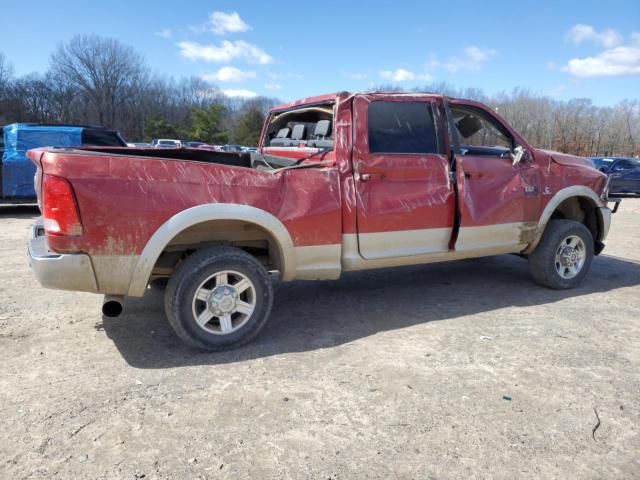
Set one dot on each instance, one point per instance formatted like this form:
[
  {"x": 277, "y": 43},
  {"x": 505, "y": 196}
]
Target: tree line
[
  {"x": 576, "y": 126},
  {"x": 100, "y": 81},
  {"x": 97, "y": 80}
]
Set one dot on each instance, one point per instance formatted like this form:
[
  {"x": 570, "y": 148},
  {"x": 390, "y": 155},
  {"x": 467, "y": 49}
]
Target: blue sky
[{"x": 292, "y": 49}]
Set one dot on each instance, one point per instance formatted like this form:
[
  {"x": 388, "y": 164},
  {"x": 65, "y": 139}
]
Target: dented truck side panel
[
  {"x": 400, "y": 194},
  {"x": 498, "y": 194},
  {"x": 347, "y": 209},
  {"x": 124, "y": 200}
]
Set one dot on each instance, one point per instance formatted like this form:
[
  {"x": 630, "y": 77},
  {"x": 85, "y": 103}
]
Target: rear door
[{"x": 405, "y": 200}]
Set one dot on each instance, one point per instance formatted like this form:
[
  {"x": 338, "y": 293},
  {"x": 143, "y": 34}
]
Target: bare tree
[
  {"x": 103, "y": 68},
  {"x": 630, "y": 113},
  {"x": 99, "y": 80},
  {"x": 6, "y": 72}
]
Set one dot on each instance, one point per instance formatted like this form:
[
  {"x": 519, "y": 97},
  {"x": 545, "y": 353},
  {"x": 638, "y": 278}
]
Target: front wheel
[
  {"x": 219, "y": 298},
  {"x": 563, "y": 256}
]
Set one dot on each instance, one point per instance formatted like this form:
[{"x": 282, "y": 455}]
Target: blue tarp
[{"x": 17, "y": 169}]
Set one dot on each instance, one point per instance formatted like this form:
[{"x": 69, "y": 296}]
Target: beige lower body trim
[
  {"x": 114, "y": 272},
  {"x": 403, "y": 243},
  {"x": 605, "y": 216},
  {"x": 501, "y": 235},
  {"x": 472, "y": 242},
  {"x": 326, "y": 262},
  {"x": 320, "y": 262}
]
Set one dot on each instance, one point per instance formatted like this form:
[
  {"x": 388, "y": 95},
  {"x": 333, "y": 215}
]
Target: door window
[
  {"x": 401, "y": 127},
  {"x": 479, "y": 133}
]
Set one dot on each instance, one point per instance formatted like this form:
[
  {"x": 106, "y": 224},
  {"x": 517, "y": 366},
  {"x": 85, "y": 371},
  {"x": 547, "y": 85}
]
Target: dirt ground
[{"x": 453, "y": 370}]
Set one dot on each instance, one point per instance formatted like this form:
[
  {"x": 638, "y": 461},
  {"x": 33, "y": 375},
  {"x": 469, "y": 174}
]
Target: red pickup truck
[{"x": 340, "y": 182}]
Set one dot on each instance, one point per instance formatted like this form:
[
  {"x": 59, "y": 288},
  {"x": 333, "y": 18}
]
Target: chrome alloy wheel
[
  {"x": 570, "y": 257},
  {"x": 224, "y": 302}
]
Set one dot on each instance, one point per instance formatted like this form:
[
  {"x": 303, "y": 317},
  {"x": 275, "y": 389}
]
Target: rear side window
[{"x": 401, "y": 127}]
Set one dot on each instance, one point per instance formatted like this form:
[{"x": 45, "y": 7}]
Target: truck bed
[{"x": 236, "y": 159}]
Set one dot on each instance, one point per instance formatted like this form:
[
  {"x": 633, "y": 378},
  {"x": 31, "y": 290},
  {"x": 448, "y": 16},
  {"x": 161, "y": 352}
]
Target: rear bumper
[{"x": 71, "y": 271}]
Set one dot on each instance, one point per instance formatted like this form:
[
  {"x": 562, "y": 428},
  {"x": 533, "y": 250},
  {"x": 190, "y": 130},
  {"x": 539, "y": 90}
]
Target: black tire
[
  {"x": 186, "y": 282},
  {"x": 542, "y": 261}
]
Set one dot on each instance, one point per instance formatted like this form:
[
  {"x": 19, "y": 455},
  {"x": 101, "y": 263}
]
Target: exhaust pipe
[{"x": 112, "y": 306}]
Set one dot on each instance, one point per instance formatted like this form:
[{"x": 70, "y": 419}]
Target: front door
[
  {"x": 499, "y": 201},
  {"x": 405, "y": 202}
]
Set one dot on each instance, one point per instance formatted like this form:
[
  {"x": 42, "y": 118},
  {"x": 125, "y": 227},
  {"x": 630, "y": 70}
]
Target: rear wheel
[
  {"x": 219, "y": 298},
  {"x": 563, "y": 256}
]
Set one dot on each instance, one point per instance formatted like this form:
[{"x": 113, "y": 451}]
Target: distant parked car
[
  {"x": 215, "y": 148},
  {"x": 624, "y": 172},
  {"x": 232, "y": 148},
  {"x": 17, "y": 171},
  {"x": 600, "y": 162},
  {"x": 193, "y": 144},
  {"x": 139, "y": 145},
  {"x": 167, "y": 143}
]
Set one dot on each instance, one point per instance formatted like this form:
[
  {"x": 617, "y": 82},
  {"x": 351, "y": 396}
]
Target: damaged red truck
[{"x": 341, "y": 182}]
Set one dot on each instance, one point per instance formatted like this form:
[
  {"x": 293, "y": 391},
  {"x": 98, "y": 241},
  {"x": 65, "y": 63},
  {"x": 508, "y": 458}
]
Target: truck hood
[
  {"x": 567, "y": 159},
  {"x": 581, "y": 170}
]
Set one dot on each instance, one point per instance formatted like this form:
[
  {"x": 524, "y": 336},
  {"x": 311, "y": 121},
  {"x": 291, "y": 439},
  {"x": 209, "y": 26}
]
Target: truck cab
[{"x": 427, "y": 177}]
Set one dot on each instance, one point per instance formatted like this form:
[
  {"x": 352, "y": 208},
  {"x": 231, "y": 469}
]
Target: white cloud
[
  {"x": 165, "y": 33},
  {"x": 273, "y": 86},
  {"x": 229, "y": 74},
  {"x": 225, "y": 52},
  {"x": 402, "y": 75},
  {"x": 473, "y": 59},
  {"x": 222, "y": 23},
  {"x": 586, "y": 33},
  {"x": 620, "y": 60},
  {"x": 239, "y": 93}
]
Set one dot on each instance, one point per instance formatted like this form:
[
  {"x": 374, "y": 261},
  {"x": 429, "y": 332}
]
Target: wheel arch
[
  {"x": 203, "y": 214},
  {"x": 566, "y": 203}
]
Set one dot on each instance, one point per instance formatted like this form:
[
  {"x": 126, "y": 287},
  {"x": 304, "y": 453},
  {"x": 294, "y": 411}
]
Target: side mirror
[
  {"x": 603, "y": 169},
  {"x": 518, "y": 155}
]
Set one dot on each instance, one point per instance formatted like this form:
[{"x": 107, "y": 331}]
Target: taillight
[{"x": 60, "y": 210}]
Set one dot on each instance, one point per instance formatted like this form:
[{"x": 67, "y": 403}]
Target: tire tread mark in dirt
[{"x": 593, "y": 431}]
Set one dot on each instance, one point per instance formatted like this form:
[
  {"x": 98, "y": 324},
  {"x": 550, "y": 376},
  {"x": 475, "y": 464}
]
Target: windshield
[{"x": 601, "y": 162}]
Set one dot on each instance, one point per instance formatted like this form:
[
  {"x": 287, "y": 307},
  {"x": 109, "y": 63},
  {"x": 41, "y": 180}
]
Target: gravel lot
[{"x": 455, "y": 370}]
